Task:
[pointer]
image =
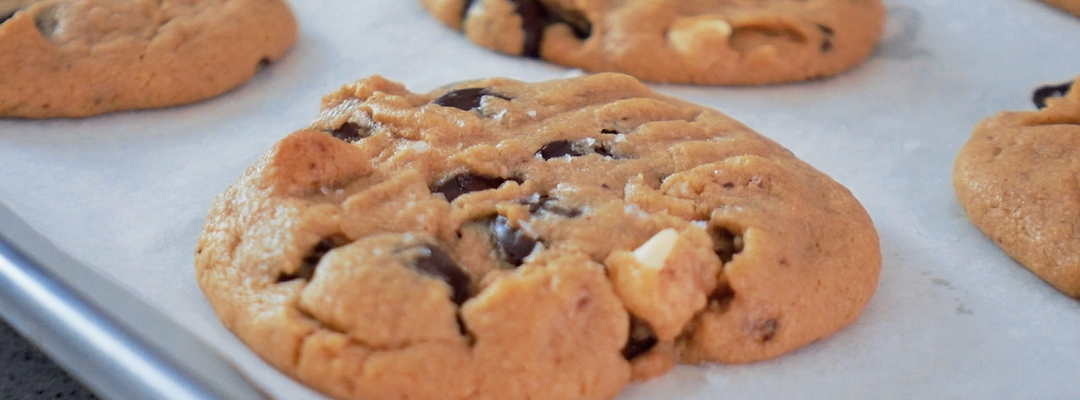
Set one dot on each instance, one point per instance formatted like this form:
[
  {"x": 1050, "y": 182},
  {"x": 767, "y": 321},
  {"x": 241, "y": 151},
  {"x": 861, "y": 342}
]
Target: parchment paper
[{"x": 953, "y": 317}]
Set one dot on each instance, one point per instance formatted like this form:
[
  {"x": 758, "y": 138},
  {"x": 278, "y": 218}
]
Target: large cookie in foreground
[
  {"x": 76, "y": 58},
  {"x": 724, "y": 42},
  {"x": 503, "y": 240},
  {"x": 1017, "y": 178}
]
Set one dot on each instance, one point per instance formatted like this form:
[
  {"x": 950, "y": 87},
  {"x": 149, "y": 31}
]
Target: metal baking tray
[{"x": 106, "y": 285}]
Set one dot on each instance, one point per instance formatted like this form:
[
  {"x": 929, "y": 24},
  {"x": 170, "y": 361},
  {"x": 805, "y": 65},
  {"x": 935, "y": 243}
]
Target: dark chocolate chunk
[
  {"x": 563, "y": 148},
  {"x": 538, "y": 204},
  {"x": 574, "y": 18},
  {"x": 311, "y": 260},
  {"x": 609, "y": 131},
  {"x": 513, "y": 244},
  {"x": 351, "y": 132},
  {"x": 468, "y": 182},
  {"x": 726, "y": 243},
  {"x": 434, "y": 262},
  {"x": 533, "y": 20},
  {"x": 466, "y": 99},
  {"x": 1048, "y": 91},
  {"x": 558, "y": 149},
  {"x": 641, "y": 339}
]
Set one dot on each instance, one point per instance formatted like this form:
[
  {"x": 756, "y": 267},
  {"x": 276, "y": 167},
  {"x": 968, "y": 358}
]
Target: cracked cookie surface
[
  {"x": 1016, "y": 178},
  {"x": 76, "y": 58},
  {"x": 725, "y": 42},
  {"x": 503, "y": 240}
]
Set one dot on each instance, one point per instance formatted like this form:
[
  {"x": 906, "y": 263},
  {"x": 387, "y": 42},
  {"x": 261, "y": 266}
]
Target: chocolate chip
[
  {"x": 609, "y": 131},
  {"x": 263, "y": 63},
  {"x": 311, "y": 260},
  {"x": 563, "y": 148},
  {"x": 767, "y": 330},
  {"x": 545, "y": 204},
  {"x": 468, "y": 182},
  {"x": 641, "y": 339},
  {"x": 513, "y": 244},
  {"x": 726, "y": 243},
  {"x": 1048, "y": 91},
  {"x": 825, "y": 29},
  {"x": 574, "y": 18},
  {"x": 826, "y": 45},
  {"x": 351, "y": 132},
  {"x": 466, "y": 99},
  {"x": 533, "y": 20},
  {"x": 434, "y": 262}
]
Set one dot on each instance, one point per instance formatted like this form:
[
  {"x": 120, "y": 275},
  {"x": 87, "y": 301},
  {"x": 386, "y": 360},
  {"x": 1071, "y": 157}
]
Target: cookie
[
  {"x": 76, "y": 58},
  {"x": 503, "y": 240},
  {"x": 1016, "y": 178},
  {"x": 712, "y": 42},
  {"x": 1072, "y": 6}
]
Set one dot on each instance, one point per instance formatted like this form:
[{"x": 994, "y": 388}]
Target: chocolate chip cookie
[
  {"x": 76, "y": 58},
  {"x": 503, "y": 240},
  {"x": 723, "y": 42},
  {"x": 1072, "y": 6},
  {"x": 1017, "y": 179}
]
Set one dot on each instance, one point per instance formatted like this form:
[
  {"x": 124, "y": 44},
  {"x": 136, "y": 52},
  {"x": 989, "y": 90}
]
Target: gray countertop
[{"x": 28, "y": 374}]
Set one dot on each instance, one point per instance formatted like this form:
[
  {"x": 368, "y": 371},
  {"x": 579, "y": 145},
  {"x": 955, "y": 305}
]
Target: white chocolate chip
[
  {"x": 690, "y": 33},
  {"x": 654, "y": 253}
]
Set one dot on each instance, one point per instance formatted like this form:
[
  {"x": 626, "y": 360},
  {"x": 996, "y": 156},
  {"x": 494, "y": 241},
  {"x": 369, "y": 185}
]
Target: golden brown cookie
[
  {"x": 722, "y": 42},
  {"x": 76, "y": 58},
  {"x": 1072, "y": 6},
  {"x": 1017, "y": 178},
  {"x": 503, "y": 240}
]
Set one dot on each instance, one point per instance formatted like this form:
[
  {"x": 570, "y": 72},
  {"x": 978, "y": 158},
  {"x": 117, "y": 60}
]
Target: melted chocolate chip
[
  {"x": 641, "y": 339},
  {"x": 538, "y": 204},
  {"x": 826, "y": 43},
  {"x": 434, "y": 262},
  {"x": 563, "y": 148},
  {"x": 1046, "y": 92},
  {"x": 513, "y": 244},
  {"x": 311, "y": 260},
  {"x": 350, "y": 132},
  {"x": 468, "y": 182},
  {"x": 726, "y": 243},
  {"x": 533, "y": 20},
  {"x": 575, "y": 19},
  {"x": 466, "y": 99},
  {"x": 767, "y": 330}
]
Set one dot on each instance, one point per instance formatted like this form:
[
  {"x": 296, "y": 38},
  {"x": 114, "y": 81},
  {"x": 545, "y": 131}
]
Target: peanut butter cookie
[
  {"x": 76, "y": 58},
  {"x": 502, "y": 240},
  {"x": 1017, "y": 179},
  {"x": 722, "y": 42}
]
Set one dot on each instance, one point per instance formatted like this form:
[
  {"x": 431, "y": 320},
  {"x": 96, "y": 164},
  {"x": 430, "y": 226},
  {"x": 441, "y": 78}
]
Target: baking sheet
[{"x": 953, "y": 316}]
